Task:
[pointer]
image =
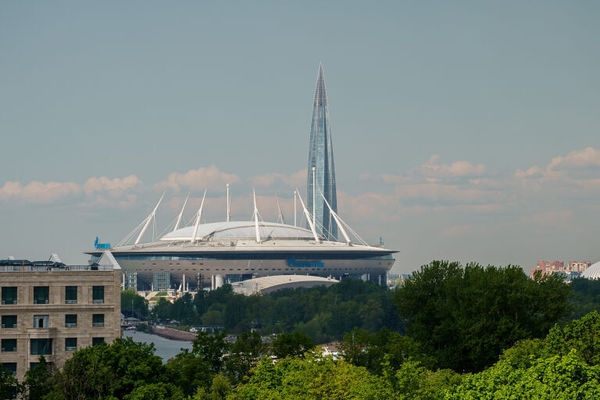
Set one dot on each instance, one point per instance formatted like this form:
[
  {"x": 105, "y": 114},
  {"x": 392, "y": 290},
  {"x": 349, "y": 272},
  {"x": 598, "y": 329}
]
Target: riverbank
[{"x": 174, "y": 334}]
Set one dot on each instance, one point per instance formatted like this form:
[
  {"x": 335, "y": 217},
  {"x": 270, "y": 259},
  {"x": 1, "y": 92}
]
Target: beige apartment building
[{"x": 55, "y": 310}]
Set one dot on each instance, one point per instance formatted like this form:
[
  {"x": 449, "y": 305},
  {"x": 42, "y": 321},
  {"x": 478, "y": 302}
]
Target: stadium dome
[
  {"x": 592, "y": 272},
  {"x": 239, "y": 230}
]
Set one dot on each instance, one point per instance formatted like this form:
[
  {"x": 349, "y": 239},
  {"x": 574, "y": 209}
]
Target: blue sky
[{"x": 462, "y": 130}]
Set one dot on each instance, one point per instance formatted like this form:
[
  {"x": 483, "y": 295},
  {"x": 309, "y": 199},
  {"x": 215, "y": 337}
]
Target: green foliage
[
  {"x": 557, "y": 377},
  {"x": 523, "y": 354},
  {"x": 194, "y": 370},
  {"x": 582, "y": 335},
  {"x": 383, "y": 365},
  {"x": 189, "y": 372},
  {"x": 156, "y": 391},
  {"x": 162, "y": 310},
  {"x": 220, "y": 388},
  {"x": 324, "y": 314},
  {"x": 586, "y": 297},
  {"x": 291, "y": 344},
  {"x": 313, "y": 377},
  {"x": 465, "y": 317},
  {"x": 247, "y": 349},
  {"x": 413, "y": 381},
  {"x": 133, "y": 305},
  {"x": 384, "y": 348},
  {"x": 9, "y": 385},
  {"x": 183, "y": 310},
  {"x": 38, "y": 380},
  {"x": 105, "y": 371}
]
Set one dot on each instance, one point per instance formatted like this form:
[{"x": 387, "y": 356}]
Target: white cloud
[
  {"x": 588, "y": 157},
  {"x": 97, "y": 191},
  {"x": 38, "y": 192},
  {"x": 198, "y": 179},
  {"x": 296, "y": 180},
  {"x": 115, "y": 187},
  {"x": 576, "y": 175},
  {"x": 458, "y": 169}
]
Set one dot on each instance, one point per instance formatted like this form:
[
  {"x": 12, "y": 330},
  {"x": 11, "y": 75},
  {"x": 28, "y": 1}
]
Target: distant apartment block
[
  {"x": 551, "y": 267},
  {"x": 54, "y": 310},
  {"x": 578, "y": 266}
]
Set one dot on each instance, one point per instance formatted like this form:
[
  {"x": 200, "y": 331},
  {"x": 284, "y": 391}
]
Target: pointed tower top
[{"x": 320, "y": 91}]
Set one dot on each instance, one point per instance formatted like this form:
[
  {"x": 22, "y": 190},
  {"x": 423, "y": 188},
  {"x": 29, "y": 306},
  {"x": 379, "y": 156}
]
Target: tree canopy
[
  {"x": 108, "y": 371},
  {"x": 466, "y": 316}
]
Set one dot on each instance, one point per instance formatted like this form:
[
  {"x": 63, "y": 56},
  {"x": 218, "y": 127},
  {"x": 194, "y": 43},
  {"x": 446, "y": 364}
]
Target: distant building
[
  {"x": 55, "y": 310},
  {"x": 574, "y": 268},
  {"x": 578, "y": 266},
  {"x": 321, "y": 187}
]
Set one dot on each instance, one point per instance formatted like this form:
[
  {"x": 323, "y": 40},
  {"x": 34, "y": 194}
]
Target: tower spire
[{"x": 321, "y": 170}]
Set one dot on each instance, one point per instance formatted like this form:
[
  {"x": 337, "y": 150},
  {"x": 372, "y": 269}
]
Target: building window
[
  {"x": 41, "y": 294},
  {"x": 98, "y": 320},
  {"x": 9, "y": 321},
  {"x": 40, "y": 321},
  {"x": 10, "y": 367},
  {"x": 9, "y": 344},
  {"x": 40, "y": 346},
  {"x": 9, "y": 295},
  {"x": 70, "y": 320},
  {"x": 70, "y": 344},
  {"x": 98, "y": 294},
  {"x": 97, "y": 340},
  {"x": 70, "y": 294}
]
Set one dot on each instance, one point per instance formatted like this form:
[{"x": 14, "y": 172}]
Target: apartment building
[
  {"x": 53, "y": 310},
  {"x": 552, "y": 267}
]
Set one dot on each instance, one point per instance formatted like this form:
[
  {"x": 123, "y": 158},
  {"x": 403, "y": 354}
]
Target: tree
[
  {"x": 245, "y": 352},
  {"x": 413, "y": 381},
  {"x": 109, "y": 370},
  {"x": 163, "y": 310},
  {"x": 182, "y": 309},
  {"x": 465, "y": 317},
  {"x": 375, "y": 350},
  {"x": 38, "y": 380},
  {"x": 291, "y": 344},
  {"x": 586, "y": 297},
  {"x": 9, "y": 385},
  {"x": 553, "y": 378},
  {"x": 220, "y": 388},
  {"x": 156, "y": 391},
  {"x": 133, "y": 305},
  {"x": 580, "y": 334},
  {"x": 314, "y": 377},
  {"x": 194, "y": 370}
]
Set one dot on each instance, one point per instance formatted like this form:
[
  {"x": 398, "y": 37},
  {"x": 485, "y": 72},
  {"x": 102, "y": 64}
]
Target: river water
[{"x": 165, "y": 348}]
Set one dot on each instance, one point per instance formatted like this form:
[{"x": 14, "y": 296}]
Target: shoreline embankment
[{"x": 174, "y": 334}]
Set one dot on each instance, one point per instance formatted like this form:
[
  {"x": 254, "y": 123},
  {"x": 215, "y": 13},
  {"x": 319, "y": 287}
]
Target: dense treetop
[{"x": 465, "y": 316}]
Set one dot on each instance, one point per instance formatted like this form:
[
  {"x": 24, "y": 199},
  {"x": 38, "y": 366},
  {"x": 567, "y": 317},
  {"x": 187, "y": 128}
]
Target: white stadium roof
[
  {"x": 272, "y": 283},
  {"x": 592, "y": 272},
  {"x": 240, "y": 230}
]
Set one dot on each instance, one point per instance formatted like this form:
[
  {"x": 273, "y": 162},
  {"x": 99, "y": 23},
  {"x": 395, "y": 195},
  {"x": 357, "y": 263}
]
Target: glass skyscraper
[{"x": 321, "y": 170}]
